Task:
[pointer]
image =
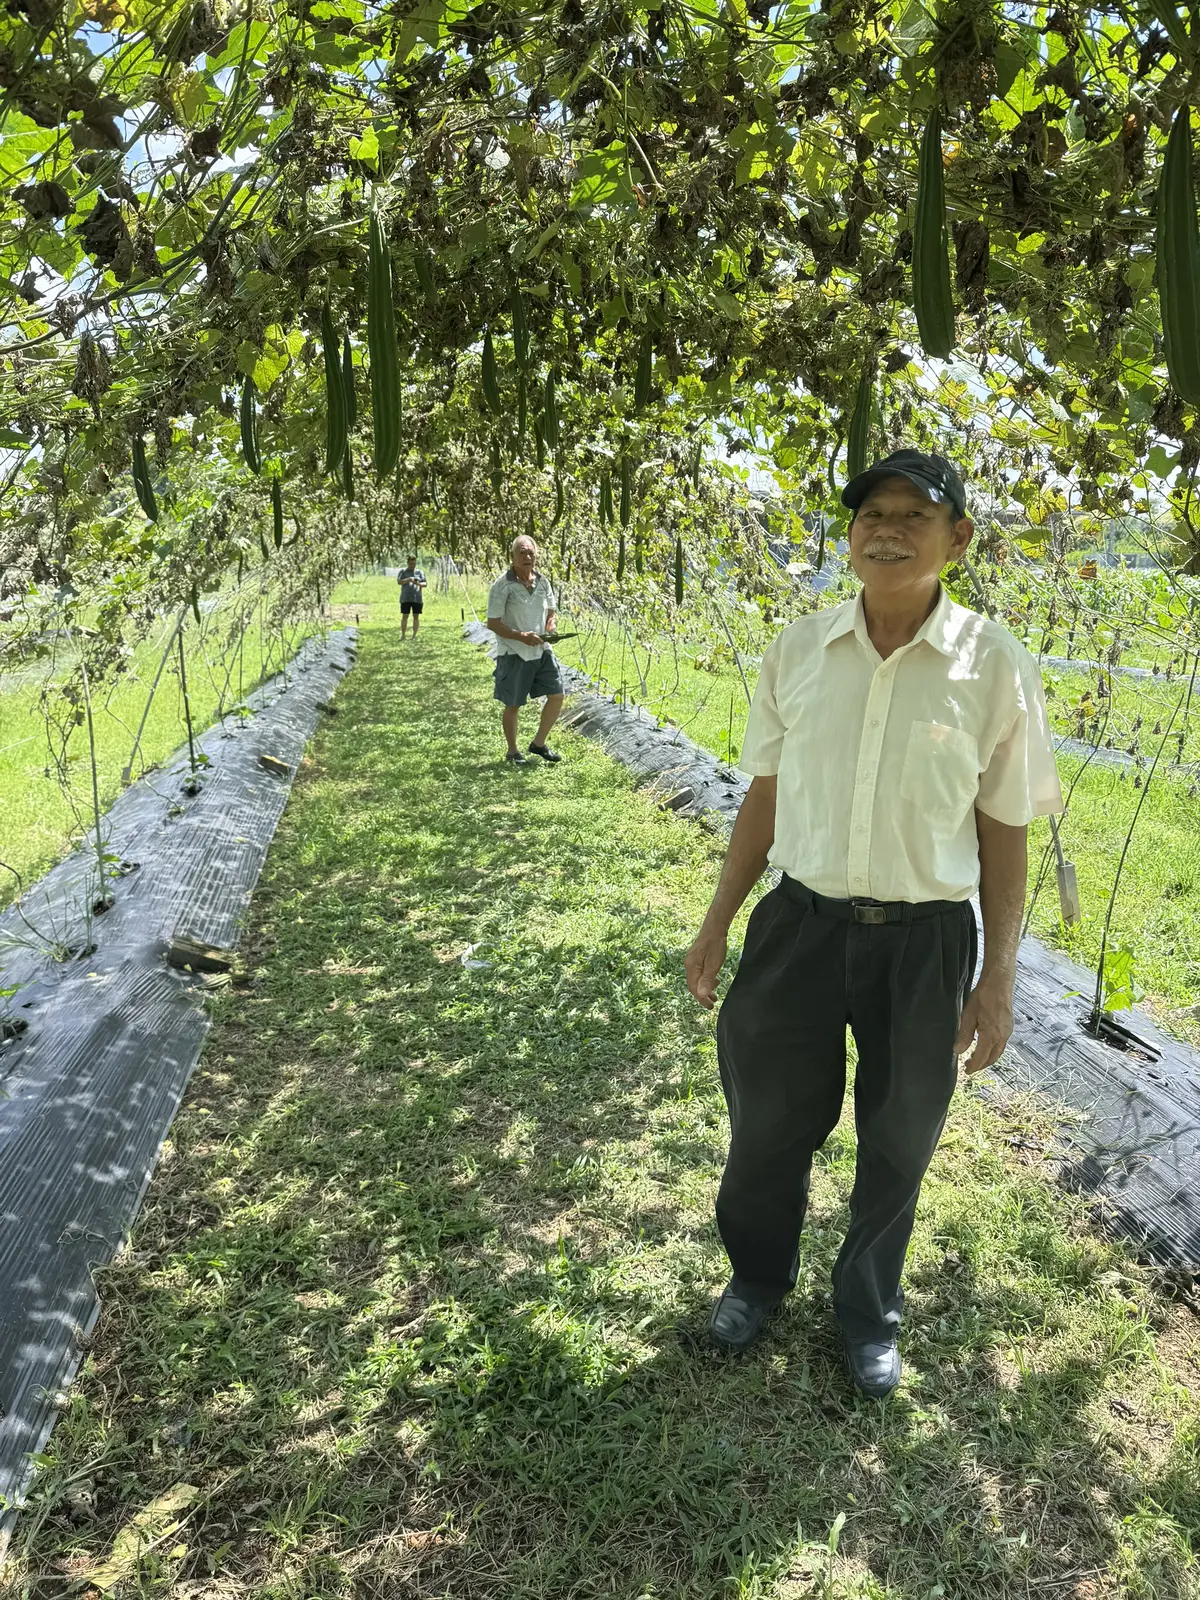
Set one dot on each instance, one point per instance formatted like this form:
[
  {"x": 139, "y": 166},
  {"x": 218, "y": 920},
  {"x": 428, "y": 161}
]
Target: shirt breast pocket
[{"x": 940, "y": 776}]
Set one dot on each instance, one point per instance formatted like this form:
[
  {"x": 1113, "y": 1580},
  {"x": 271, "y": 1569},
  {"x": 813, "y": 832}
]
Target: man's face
[
  {"x": 524, "y": 555},
  {"x": 900, "y": 539},
  {"x": 412, "y": 561}
]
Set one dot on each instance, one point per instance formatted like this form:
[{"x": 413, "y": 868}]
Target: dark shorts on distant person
[
  {"x": 518, "y": 680},
  {"x": 415, "y": 606}
]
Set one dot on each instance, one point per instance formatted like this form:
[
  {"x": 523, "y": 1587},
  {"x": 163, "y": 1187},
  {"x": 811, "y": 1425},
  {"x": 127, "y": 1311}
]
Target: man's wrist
[{"x": 999, "y": 979}]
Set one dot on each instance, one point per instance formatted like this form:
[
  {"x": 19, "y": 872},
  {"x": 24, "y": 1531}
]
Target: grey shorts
[{"x": 518, "y": 680}]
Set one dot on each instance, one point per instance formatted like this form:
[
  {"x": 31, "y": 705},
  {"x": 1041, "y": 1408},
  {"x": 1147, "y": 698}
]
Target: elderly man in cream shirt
[
  {"x": 521, "y": 611},
  {"x": 899, "y": 747}
]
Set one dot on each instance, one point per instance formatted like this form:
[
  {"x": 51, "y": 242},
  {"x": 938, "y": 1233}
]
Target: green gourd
[
  {"x": 933, "y": 299},
  {"x": 335, "y": 394},
  {"x": 1178, "y": 261},
  {"x": 249, "y": 426},
  {"x": 383, "y": 352},
  {"x": 859, "y": 438},
  {"x": 142, "y": 485},
  {"x": 644, "y": 380},
  {"x": 491, "y": 381}
]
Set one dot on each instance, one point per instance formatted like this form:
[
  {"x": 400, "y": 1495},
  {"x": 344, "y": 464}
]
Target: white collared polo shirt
[
  {"x": 523, "y": 610},
  {"x": 881, "y": 764}
]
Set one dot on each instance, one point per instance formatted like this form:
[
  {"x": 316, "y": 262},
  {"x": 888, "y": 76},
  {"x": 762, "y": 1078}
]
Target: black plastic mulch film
[
  {"x": 88, "y": 1092},
  {"x": 1136, "y": 1137}
]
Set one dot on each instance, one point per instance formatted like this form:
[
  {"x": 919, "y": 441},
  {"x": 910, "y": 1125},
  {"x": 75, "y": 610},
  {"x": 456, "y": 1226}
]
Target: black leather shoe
[
  {"x": 736, "y": 1323},
  {"x": 874, "y": 1366}
]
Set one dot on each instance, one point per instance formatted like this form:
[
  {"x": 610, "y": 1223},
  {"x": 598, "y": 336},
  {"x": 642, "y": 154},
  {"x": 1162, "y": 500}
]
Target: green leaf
[
  {"x": 247, "y": 358},
  {"x": 914, "y": 27},
  {"x": 603, "y": 179},
  {"x": 235, "y": 47},
  {"x": 543, "y": 239},
  {"x": 1010, "y": 62},
  {"x": 1120, "y": 989},
  {"x": 880, "y": 121},
  {"x": 752, "y": 167},
  {"x": 365, "y": 149},
  {"x": 1161, "y": 463},
  {"x": 194, "y": 95},
  {"x": 267, "y": 369},
  {"x": 17, "y": 150}
]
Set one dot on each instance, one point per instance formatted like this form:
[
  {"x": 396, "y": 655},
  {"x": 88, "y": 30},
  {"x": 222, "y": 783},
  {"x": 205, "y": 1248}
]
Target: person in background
[
  {"x": 899, "y": 747},
  {"x": 520, "y": 611},
  {"x": 412, "y": 596}
]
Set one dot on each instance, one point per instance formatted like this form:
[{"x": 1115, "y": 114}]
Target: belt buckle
[{"x": 864, "y": 911}]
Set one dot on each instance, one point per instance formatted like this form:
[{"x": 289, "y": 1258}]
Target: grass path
[{"x": 416, "y": 1305}]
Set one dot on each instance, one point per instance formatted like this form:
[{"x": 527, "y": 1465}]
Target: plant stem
[
  {"x": 603, "y": 649},
  {"x": 87, "y": 706},
  {"x": 1098, "y": 997},
  {"x": 154, "y": 689},
  {"x": 187, "y": 709},
  {"x": 1188, "y": 703},
  {"x": 737, "y": 660},
  {"x": 637, "y": 664}
]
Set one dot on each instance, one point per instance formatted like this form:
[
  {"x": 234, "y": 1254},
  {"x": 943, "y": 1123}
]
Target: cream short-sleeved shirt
[
  {"x": 881, "y": 764},
  {"x": 524, "y": 610}
]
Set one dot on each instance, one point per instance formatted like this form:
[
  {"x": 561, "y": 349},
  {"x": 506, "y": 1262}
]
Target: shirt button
[{"x": 874, "y": 722}]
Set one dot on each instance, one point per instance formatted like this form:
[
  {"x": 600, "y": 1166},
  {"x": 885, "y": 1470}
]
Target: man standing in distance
[
  {"x": 412, "y": 596},
  {"x": 899, "y": 746},
  {"x": 520, "y": 610}
]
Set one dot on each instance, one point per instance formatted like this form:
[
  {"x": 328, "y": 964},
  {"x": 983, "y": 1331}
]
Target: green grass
[
  {"x": 416, "y": 1305},
  {"x": 1157, "y": 908},
  {"x": 40, "y": 818}
]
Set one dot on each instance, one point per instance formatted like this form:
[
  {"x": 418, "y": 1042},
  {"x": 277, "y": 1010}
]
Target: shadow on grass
[{"x": 419, "y": 1298}]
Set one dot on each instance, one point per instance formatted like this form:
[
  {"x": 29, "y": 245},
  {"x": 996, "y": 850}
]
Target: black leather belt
[{"x": 869, "y": 911}]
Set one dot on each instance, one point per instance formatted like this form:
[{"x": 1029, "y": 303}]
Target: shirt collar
[
  {"x": 941, "y": 627},
  {"x": 842, "y": 619},
  {"x": 511, "y": 577}
]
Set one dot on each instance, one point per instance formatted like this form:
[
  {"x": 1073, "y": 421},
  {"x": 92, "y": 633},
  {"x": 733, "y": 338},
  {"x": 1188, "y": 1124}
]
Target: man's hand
[
  {"x": 531, "y": 638},
  {"x": 703, "y": 964},
  {"x": 987, "y": 1020}
]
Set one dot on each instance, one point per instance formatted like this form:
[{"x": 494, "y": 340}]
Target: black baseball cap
[{"x": 932, "y": 474}]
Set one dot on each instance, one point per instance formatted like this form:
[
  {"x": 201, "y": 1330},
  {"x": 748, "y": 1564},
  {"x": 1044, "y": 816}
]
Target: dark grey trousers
[{"x": 805, "y": 973}]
